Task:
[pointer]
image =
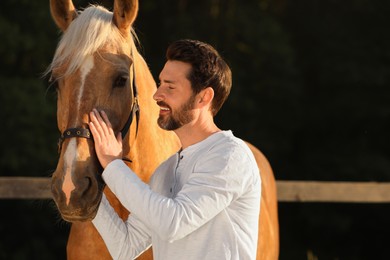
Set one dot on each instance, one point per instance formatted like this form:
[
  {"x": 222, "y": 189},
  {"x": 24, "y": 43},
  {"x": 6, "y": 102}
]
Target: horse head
[{"x": 92, "y": 68}]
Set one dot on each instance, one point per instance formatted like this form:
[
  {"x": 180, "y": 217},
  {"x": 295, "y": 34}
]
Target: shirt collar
[{"x": 206, "y": 142}]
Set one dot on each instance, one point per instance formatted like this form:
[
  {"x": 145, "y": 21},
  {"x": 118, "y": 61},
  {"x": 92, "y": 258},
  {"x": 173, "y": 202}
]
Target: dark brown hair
[{"x": 208, "y": 69}]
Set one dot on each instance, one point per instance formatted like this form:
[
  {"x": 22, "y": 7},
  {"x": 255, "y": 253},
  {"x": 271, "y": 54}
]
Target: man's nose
[{"x": 157, "y": 95}]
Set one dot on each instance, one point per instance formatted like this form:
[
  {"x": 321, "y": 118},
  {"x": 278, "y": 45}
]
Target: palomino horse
[{"x": 96, "y": 64}]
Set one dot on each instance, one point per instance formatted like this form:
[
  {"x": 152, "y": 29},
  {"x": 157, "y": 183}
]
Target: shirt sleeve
[
  {"x": 124, "y": 239},
  {"x": 219, "y": 179}
]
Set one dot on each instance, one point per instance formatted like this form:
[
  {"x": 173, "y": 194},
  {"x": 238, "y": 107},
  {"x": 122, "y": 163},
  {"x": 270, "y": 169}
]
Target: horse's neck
[{"x": 151, "y": 145}]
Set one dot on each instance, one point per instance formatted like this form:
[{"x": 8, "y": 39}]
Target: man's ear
[{"x": 206, "y": 96}]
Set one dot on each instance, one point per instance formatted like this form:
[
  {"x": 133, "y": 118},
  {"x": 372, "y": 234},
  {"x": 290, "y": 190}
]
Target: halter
[{"x": 86, "y": 133}]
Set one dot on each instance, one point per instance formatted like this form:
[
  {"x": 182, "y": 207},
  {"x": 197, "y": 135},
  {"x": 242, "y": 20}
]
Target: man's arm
[
  {"x": 124, "y": 240},
  {"x": 209, "y": 190},
  {"x": 206, "y": 193}
]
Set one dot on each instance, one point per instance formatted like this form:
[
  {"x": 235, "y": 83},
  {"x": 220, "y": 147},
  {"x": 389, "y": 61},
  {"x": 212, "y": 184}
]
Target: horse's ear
[
  {"x": 125, "y": 12},
  {"x": 63, "y": 13}
]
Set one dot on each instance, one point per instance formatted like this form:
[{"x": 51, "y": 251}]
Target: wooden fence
[{"x": 288, "y": 191}]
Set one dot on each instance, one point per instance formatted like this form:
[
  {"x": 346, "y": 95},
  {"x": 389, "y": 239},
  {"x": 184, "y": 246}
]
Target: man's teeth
[{"x": 164, "y": 108}]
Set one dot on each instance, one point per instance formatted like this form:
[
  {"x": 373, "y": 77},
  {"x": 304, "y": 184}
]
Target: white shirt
[{"x": 201, "y": 203}]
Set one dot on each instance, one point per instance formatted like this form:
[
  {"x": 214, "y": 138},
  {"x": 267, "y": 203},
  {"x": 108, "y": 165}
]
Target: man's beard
[{"x": 176, "y": 120}]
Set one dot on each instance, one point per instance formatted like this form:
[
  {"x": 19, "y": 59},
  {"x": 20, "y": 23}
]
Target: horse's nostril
[
  {"x": 56, "y": 189},
  {"x": 87, "y": 185},
  {"x": 89, "y": 181}
]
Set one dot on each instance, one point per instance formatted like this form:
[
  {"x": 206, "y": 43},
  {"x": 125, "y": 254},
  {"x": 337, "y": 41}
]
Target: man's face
[{"x": 174, "y": 96}]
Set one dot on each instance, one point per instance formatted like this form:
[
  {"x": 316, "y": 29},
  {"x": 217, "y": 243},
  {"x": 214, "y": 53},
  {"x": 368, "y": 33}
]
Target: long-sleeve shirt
[{"x": 201, "y": 203}]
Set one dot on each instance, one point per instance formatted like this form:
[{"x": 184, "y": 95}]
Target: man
[{"x": 204, "y": 201}]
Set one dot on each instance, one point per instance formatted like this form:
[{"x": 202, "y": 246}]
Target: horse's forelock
[{"x": 89, "y": 32}]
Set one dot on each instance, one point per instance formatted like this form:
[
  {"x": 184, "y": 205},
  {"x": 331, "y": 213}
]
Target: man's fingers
[
  {"x": 119, "y": 138},
  {"x": 102, "y": 125},
  {"x": 107, "y": 122},
  {"x": 102, "y": 122},
  {"x": 95, "y": 126},
  {"x": 108, "y": 146},
  {"x": 97, "y": 121},
  {"x": 95, "y": 132}
]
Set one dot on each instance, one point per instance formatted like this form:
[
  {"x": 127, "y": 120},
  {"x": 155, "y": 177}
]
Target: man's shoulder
[{"x": 229, "y": 143}]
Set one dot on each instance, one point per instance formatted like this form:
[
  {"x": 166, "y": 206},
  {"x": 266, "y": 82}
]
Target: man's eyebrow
[{"x": 167, "y": 81}]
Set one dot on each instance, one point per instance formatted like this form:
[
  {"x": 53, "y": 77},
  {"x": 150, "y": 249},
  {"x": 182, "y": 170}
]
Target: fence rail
[
  {"x": 288, "y": 191},
  {"x": 25, "y": 188},
  {"x": 339, "y": 192}
]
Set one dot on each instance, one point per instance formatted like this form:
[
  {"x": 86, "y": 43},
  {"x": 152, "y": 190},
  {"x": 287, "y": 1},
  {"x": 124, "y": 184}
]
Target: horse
[{"x": 97, "y": 65}]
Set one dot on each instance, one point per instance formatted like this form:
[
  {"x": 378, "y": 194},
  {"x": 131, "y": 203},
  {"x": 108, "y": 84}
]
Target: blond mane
[{"x": 89, "y": 32}]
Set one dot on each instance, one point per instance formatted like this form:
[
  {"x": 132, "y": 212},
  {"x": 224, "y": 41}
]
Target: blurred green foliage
[{"x": 311, "y": 90}]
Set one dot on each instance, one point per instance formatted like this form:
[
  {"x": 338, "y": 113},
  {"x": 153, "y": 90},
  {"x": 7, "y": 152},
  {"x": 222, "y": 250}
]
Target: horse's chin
[
  {"x": 81, "y": 215},
  {"x": 71, "y": 217}
]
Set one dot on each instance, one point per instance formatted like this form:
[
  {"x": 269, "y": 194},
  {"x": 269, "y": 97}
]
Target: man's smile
[{"x": 164, "y": 108}]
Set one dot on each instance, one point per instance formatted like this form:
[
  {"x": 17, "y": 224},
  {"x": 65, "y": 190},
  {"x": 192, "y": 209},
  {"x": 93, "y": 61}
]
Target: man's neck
[{"x": 195, "y": 132}]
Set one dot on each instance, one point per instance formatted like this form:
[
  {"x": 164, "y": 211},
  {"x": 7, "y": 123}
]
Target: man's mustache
[{"x": 163, "y": 104}]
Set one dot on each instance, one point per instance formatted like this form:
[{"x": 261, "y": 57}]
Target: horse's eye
[{"x": 120, "y": 81}]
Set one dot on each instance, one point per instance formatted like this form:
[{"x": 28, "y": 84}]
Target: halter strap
[
  {"x": 135, "y": 110},
  {"x": 73, "y": 132}
]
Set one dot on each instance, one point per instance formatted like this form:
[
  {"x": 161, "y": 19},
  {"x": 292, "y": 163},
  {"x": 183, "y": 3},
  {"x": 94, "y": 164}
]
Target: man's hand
[{"x": 107, "y": 146}]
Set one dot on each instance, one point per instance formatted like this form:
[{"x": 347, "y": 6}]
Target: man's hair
[{"x": 208, "y": 69}]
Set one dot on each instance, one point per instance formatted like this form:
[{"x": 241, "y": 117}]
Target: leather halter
[{"x": 86, "y": 133}]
